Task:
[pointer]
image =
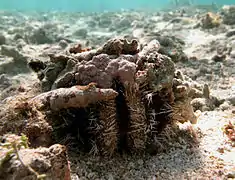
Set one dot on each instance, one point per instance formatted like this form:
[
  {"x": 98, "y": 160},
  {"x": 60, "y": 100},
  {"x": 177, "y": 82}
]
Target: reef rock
[
  {"x": 228, "y": 13},
  {"x": 210, "y": 20},
  {"x": 18, "y": 162}
]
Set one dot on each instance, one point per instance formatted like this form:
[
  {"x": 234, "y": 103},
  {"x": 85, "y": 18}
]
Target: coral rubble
[{"x": 32, "y": 164}]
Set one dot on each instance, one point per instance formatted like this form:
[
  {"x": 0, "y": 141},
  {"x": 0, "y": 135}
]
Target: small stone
[
  {"x": 224, "y": 106},
  {"x": 230, "y": 33},
  {"x": 40, "y": 36},
  {"x": 10, "y": 51},
  {"x": 220, "y": 150},
  {"x": 231, "y": 174},
  {"x": 228, "y": 14},
  {"x": 4, "y": 81},
  {"x": 231, "y": 98},
  {"x": 20, "y": 43},
  {"x": 63, "y": 44},
  {"x": 232, "y": 54},
  {"x": 219, "y": 58},
  {"x": 233, "y": 111},
  {"x": 17, "y": 36}
]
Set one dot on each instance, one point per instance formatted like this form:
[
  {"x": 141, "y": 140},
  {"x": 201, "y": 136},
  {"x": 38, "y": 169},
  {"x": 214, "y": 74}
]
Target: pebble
[
  {"x": 225, "y": 106},
  {"x": 39, "y": 36},
  {"x": 231, "y": 99},
  {"x": 232, "y": 54},
  {"x": 10, "y": 51},
  {"x": 233, "y": 111},
  {"x": 4, "y": 81},
  {"x": 230, "y": 33},
  {"x": 63, "y": 44},
  {"x": 231, "y": 174}
]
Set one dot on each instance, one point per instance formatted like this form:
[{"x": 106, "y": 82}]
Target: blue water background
[{"x": 93, "y": 5}]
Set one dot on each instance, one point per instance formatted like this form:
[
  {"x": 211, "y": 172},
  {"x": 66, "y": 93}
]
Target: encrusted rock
[
  {"x": 210, "y": 20},
  {"x": 228, "y": 13},
  {"x": 24, "y": 163},
  {"x": 118, "y": 47},
  {"x": 39, "y": 36}
]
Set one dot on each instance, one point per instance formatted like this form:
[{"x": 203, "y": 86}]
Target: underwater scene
[{"x": 117, "y": 90}]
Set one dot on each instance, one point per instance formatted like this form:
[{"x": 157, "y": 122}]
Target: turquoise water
[{"x": 95, "y": 5}]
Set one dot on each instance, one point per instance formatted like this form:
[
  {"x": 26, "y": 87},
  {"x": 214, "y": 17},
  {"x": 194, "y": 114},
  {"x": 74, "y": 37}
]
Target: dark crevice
[
  {"x": 73, "y": 122},
  {"x": 123, "y": 115},
  {"x": 162, "y": 112}
]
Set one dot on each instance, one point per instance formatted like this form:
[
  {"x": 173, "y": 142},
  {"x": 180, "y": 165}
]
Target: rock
[
  {"x": 172, "y": 47},
  {"x": 63, "y": 44},
  {"x": 4, "y": 81},
  {"x": 11, "y": 51},
  {"x": 231, "y": 97},
  {"x": 195, "y": 93},
  {"x": 33, "y": 125},
  {"x": 210, "y": 20},
  {"x": 231, "y": 174},
  {"x": 230, "y": 33},
  {"x": 182, "y": 97},
  {"x": 40, "y": 36},
  {"x": 17, "y": 63},
  {"x": 219, "y": 58},
  {"x": 20, "y": 43},
  {"x": 224, "y": 106},
  {"x": 232, "y": 54},
  {"x": 228, "y": 13},
  {"x": 81, "y": 33},
  {"x": 2, "y": 39},
  {"x": 233, "y": 111},
  {"x": 118, "y": 47},
  {"x": 50, "y": 162},
  {"x": 36, "y": 65},
  {"x": 18, "y": 36},
  {"x": 201, "y": 104}
]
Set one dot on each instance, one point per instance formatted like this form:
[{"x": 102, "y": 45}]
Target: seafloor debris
[
  {"x": 78, "y": 49},
  {"x": 171, "y": 46},
  {"x": 229, "y": 130},
  {"x": 210, "y": 20},
  {"x": 111, "y": 99},
  {"x": 32, "y": 164},
  {"x": 228, "y": 13}
]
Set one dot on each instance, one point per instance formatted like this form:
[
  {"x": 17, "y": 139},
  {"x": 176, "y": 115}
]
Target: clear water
[{"x": 97, "y": 5}]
